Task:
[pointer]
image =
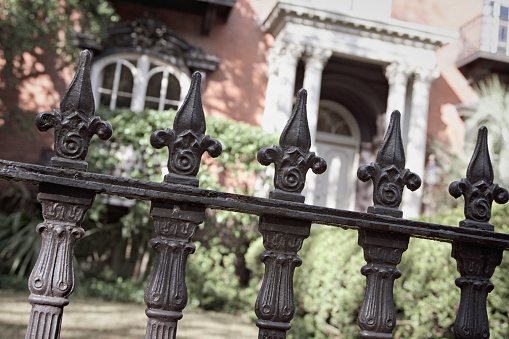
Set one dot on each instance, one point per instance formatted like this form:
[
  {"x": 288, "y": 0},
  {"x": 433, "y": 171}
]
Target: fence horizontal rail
[{"x": 147, "y": 190}]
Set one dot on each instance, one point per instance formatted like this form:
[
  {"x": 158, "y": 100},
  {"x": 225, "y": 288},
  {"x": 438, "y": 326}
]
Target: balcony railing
[{"x": 484, "y": 36}]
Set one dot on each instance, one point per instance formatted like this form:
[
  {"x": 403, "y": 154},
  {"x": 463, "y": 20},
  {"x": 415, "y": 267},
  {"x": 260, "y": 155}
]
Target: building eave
[{"x": 398, "y": 31}]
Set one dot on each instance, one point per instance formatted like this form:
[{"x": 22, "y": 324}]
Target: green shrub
[
  {"x": 111, "y": 288},
  {"x": 329, "y": 287},
  {"x": 13, "y": 282},
  {"x": 213, "y": 283}
]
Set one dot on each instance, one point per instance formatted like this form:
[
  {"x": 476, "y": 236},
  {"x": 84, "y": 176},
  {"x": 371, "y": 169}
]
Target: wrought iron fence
[{"x": 67, "y": 191}]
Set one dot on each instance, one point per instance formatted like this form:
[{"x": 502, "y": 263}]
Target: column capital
[
  {"x": 289, "y": 51},
  {"x": 397, "y": 72},
  {"x": 316, "y": 57},
  {"x": 426, "y": 75},
  {"x": 272, "y": 60}
]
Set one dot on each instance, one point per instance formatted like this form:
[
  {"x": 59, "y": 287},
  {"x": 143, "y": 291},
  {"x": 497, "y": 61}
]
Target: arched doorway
[{"x": 337, "y": 141}]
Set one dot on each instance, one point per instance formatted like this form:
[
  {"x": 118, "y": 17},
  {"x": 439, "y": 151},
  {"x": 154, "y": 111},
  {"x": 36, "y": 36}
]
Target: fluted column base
[
  {"x": 45, "y": 317},
  {"x": 162, "y": 324}
]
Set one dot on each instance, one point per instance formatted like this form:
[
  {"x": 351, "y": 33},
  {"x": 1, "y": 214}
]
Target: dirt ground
[{"x": 92, "y": 318}]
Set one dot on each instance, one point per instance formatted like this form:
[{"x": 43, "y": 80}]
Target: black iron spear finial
[
  {"x": 478, "y": 188},
  {"x": 292, "y": 158},
  {"x": 388, "y": 173},
  {"x": 187, "y": 141},
  {"x": 75, "y": 123}
]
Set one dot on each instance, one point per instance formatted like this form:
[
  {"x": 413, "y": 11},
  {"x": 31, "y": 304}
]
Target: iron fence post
[
  {"x": 166, "y": 291},
  {"x": 476, "y": 263},
  {"x": 283, "y": 237},
  {"x": 175, "y": 223},
  {"x": 275, "y": 306},
  {"x": 63, "y": 208},
  {"x": 52, "y": 278},
  {"x": 383, "y": 251}
]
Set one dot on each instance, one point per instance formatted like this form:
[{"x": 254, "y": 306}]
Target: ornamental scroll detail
[
  {"x": 187, "y": 141},
  {"x": 478, "y": 188},
  {"x": 292, "y": 158},
  {"x": 388, "y": 173},
  {"x": 75, "y": 123}
]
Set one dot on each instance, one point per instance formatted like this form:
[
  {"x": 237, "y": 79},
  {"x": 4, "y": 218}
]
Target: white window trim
[
  {"x": 354, "y": 139},
  {"x": 141, "y": 76}
]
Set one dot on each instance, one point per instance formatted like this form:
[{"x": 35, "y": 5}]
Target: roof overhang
[
  {"x": 209, "y": 10},
  {"x": 398, "y": 31}
]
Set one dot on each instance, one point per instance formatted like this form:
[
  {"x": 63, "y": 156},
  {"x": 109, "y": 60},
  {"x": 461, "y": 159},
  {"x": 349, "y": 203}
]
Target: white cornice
[{"x": 396, "y": 31}]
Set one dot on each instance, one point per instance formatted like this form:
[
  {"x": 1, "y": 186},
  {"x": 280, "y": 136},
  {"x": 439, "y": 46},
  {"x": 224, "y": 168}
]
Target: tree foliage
[
  {"x": 49, "y": 25},
  {"x": 492, "y": 110}
]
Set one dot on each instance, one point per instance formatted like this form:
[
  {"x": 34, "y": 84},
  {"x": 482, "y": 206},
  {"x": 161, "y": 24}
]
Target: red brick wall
[{"x": 36, "y": 89}]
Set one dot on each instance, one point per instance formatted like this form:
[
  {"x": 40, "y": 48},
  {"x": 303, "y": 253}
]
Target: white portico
[{"x": 355, "y": 69}]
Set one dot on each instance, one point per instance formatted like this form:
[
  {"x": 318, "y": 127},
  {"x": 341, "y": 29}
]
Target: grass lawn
[{"x": 93, "y": 318}]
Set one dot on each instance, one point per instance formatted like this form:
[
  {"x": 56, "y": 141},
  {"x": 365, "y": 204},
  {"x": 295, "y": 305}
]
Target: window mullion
[
  {"x": 164, "y": 88},
  {"x": 116, "y": 81},
  {"x": 140, "y": 84}
]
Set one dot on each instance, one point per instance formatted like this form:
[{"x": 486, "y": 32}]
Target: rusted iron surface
[{"x": 146, "y": 190}]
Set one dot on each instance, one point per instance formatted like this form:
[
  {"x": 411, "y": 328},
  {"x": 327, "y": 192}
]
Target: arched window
[
  {"x": 335, "y": 119},
  {"x": 138, "y": 81},
  {"x": 144, "y": 64}
]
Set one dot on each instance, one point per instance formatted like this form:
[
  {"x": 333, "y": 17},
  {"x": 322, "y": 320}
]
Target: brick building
[{"x": 358, "y": 59}]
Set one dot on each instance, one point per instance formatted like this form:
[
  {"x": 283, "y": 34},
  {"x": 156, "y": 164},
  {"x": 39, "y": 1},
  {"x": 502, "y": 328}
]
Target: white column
[
  {"x": 315, "y": 62},
  {"x": 140, "y": 84},
  {"x": 397, "y": 76},
  {"x": 417, "y": 134},
  {"x": 96, "y": 83},
  {"x": 271, "y": 94},
  {"x": 288, "y": 58}
]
